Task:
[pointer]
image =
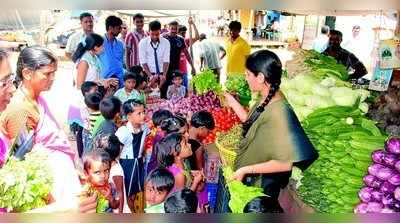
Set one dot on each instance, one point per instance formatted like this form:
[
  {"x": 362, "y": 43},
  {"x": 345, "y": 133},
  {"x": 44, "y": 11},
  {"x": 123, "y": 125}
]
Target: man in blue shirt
[{"x": 112, "y": 58}]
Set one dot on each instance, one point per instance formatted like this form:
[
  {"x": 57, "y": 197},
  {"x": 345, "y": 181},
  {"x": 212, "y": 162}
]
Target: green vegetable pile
[
  {"x": 238, "y": 85},
  {"x": 344, "y": 139},
  {"x": 240, "y": 194},
  {"x": 231, "y": 138},
  {"x": 325, "y": 66},
  {"x": 305, "y": 93},
  {"x": 26, "y": 184},
  {"x": 206, "y": 81}
]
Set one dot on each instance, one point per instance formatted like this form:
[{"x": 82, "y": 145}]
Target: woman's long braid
[{"x": 260, "y": 109}]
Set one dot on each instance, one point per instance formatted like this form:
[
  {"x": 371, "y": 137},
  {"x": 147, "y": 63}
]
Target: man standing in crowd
[
  {"x": 321, "y": 42},
  {"x": 343, "y": 56},
  {"x": 359, "y": 44},
  {"x": 132, "y": 41},
  {"x": 178, "y": 46},
  {"x": 73, "y": 41},
  {"x": 154, "y": 54},
  {"x": 210, "y": 55},
  {"x": 237, "y": 50},
  {"x": 112, "y": 58},
  {"x": 182, "y": 62}
]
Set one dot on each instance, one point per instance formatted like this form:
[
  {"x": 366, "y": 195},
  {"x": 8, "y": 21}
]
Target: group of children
[{"x": 117, "y": 166}]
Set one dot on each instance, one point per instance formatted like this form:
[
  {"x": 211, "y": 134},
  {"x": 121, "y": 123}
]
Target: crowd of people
[{"x": 113, "y": 81}]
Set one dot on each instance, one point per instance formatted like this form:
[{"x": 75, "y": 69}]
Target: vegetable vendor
[
  {"x": 343, "y": 56},
  {"x": 274, "y": 140}
]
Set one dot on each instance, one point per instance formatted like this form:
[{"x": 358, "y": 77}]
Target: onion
[
  {"x": 397, "y": 193},
  {"x": 376, "y": 196},
  {"x": 374, "y": 169},
  {"x": 385, "y": 173},
  {"x": 397, "y": 166},
  {"x": 388, "y": 201},
  {"x": 387, "y": 188},
  {"x": 372, "y": 181},
  {"x": 393, "y": 145},
  {"x": 390, "y": 159},
  {"x": 378, "y": 156},
  {"x": 365, "y": 194},
  {"x": 361, "y": 208},
  {"x": 374, "y": 207},
  {"x": 395, "y": 180}
]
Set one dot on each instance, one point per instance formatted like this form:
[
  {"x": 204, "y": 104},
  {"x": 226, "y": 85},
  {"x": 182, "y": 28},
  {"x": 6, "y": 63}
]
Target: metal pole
[{"x": 190, "y": 37}]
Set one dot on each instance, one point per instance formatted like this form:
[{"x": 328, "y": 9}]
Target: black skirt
[{"x": 133, "y": 175}]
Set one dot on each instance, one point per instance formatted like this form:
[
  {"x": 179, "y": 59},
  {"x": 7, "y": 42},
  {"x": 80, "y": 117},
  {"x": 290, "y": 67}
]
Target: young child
[
  {"x": 157, "y": 118},
  {"x": 77, "y": 113},
  {"x": 171, "y": 153},
  {"x": 92, "y": 102},
  {"x": 176, "y": 89},
  {"x": 175, "y": 124},
  {"x": 182, "y": 201},
  {"x": 159, "y": 184},
  {"x": 141, "y": 88},
  {"x": 96, "y": 166},
  {"x": 128, "y": 91},
  {"x": 111, "y": 144},
  {"x": 110, "y": 109},
  {"x": 263, "y": 204},
  {"x": 201, "y": 124},
  {"x": 132, "y": 136}
]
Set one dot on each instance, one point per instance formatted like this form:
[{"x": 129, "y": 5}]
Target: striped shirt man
[{"x": 132, "y": 47}]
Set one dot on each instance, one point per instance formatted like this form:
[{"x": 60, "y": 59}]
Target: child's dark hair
[
  {"x": 203, "y": 119},
  {"x": 87, "y": 87},
  {"x": 174, "y": 23},
  {"x": 161, "y": 179},
  {"x": 110, "y": 107},
  {"x": 166, "y": 147},
  {"x": 268, "y": 64},
  {"x": 173, "y": 124},
  {"x": 160, "y": 115},
  {"x": 140, "y": 79},
  {"x": 182, "y": 201},
  {"x": 177, "y": 74},
  {"x": 93, "y": 100},
  {"x": 91, "y": 41},
  {"x": 109, "y": 143},
  {"x": 130, "y": 76},
  {"x": 129, "y": 106},
  {"x": 95, "y": 155},
  {"x": 263, "y": 204},
  {"x": 136, "y": 69}
]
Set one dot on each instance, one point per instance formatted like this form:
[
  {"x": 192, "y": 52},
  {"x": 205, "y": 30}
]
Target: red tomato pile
[{"x": 224, "y": 119}]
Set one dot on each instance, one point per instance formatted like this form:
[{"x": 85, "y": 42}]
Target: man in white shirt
[
  {"x": 321, "y": 42},
  {"x": 154, "y": 52},
  {"x": 73, "y": 41}
]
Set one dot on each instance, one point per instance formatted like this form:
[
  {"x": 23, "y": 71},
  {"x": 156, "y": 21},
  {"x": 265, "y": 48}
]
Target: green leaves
[
  {"x": 25, "y": 185},
  {"x": 206, "y": 81}
]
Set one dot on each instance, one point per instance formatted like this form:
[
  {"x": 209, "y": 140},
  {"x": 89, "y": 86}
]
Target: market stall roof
[
  {"x": 156, "y": 13},
  {"x": 17, "y": 19}
]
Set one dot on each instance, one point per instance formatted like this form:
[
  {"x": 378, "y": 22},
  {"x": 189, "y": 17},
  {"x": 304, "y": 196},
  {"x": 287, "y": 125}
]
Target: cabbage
[
  {"x": 328, "y": 82},
  {"x": 295, "y": 97},
  {"x": 304, "y": 83},
  {"x": 321, "y": 90},
  {"x": 363, "y": 107},
  {"x": 344, "y": 96},
  {"x": 302, "y": 112},
  {"x": 317, "y": 101},
  {"x": 364, "y": 94}
]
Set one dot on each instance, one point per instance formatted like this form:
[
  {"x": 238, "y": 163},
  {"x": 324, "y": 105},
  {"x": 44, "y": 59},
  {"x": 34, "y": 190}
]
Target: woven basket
[{"x": 228, "y": 156}]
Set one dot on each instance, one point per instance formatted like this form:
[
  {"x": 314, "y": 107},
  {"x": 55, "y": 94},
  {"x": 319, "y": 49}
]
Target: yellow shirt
[{"x": 237, "y": 53}]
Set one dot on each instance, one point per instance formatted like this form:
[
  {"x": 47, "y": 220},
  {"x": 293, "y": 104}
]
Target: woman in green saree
[{"x": 274, "y": 140}]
